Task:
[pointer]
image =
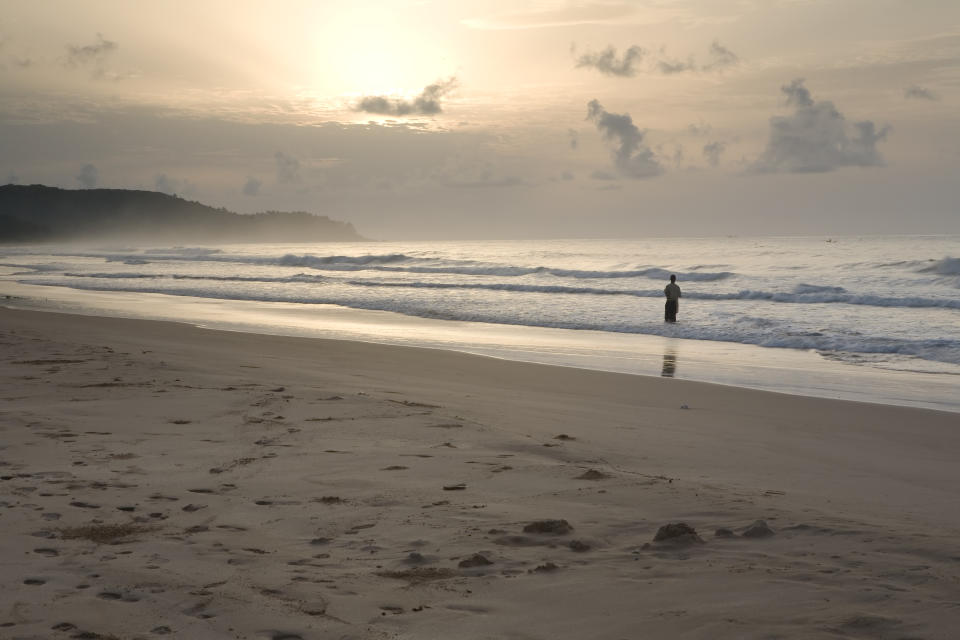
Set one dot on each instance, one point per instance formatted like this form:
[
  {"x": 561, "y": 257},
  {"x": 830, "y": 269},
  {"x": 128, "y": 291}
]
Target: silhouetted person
[{"x": 672, "y": 291}]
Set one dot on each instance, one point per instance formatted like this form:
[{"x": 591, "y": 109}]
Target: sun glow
[{"x": 373, "y": 51}]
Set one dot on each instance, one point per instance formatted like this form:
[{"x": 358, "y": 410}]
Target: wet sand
[{"x": 161, "y": 479}]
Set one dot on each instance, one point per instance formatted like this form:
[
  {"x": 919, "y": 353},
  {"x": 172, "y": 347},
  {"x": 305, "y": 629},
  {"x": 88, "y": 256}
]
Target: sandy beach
[{"x": 158, "y": 479}]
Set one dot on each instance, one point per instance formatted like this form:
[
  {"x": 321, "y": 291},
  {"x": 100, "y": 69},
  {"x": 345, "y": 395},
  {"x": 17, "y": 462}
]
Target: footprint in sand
[
  {"x": 118, "y": 596},
  {"x": 159, "y": 497},
  {"x": 84, "y": 505},
  {"x": 592, "y": 474}
]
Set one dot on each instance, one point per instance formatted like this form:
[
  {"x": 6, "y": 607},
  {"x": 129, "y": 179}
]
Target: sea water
[{"x": 843, "y": 308}]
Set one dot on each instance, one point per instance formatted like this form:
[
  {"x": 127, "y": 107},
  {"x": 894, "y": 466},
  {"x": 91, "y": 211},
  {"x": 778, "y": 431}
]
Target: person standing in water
[{"x": 672, "y": 291}]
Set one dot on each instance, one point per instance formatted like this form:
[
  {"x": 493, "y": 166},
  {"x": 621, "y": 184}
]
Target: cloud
[
  {"x": 252, "y": 187},
  {"x": 88, "y": 176},
  {"x": 814, "y": 138},
  {"x": 427, "y": 103},
  {"x": 91, "y": 55},
  {"x": 632, "y": 157},
  {"x": 13, "y": 179},
  {"x": 606, "y": 61},
  {"x": 699, "y": 129},
  {"x": 600, "y": 174},
  {"x": 574, "y": 139},
  {"x": 722, "y": 57},
  {"x": 678, "y": 155},
  {"x": 486, "y": 183},
  {"x": 172, "y": 186},
  {"x": 566, "y": 176},
  {"x": 671, "y": 67},
  {"x": 797, "y": 94},
  {"x": 712, "y": 152},
  {"x": 288, "y": 168},
  {"x": 916, "y": 92},
  {"x": 165, "y": 184}
]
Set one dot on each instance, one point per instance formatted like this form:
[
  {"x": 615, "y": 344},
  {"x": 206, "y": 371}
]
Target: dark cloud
[
  {"x": 252, "y": 186},
  {"x": 712, "y": 152},
  {"x": 797, "y": 94},
  {"x": 671, "y": 67},
  {"x": 607, "y": 63},
  {"x": 93, "y": 57},
  {"x": 632, "y": 157},
  {"x": 288, "y": 168},
  {"x": 574, "y": 139},
  {"x": 722, "y": 57},
  {"x": 91, "y": 54},
  {"x": 427, "y": 103},
  {"x": 17, "y": 61},
  {"x": 566, "y": 176},
  {"x": 699, "y": 129},
  {"x": 916, "y": 92},
  {"x": 88, "y": 176},
  {"x": 814, "y": 138}
]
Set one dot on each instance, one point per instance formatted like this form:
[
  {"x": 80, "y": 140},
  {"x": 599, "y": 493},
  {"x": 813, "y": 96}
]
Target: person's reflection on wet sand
[{"x": 669, "y": 364}]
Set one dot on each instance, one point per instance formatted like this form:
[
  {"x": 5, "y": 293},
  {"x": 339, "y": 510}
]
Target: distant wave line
[
  {"x": 801, "y": 294},
  {"x": 399, "y": 262}
]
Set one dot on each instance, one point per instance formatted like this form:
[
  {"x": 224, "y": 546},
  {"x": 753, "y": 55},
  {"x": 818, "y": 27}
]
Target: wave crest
[{"x": 944, "y": 267}]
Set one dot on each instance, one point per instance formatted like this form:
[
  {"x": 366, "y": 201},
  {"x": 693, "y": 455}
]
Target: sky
[{"x": 500, "y": 119}]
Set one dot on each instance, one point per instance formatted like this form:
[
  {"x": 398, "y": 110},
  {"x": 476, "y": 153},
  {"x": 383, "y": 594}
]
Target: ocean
[{"x": 881, "y": 311}]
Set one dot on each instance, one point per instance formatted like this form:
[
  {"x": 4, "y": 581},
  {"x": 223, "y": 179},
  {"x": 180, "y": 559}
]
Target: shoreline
[
  {"x": 274, "y": 486},
  {"x": 797, "y": 372}
]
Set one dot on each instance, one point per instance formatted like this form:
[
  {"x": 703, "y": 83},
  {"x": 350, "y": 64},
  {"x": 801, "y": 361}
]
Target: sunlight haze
[{"x": 472, "y": 119}]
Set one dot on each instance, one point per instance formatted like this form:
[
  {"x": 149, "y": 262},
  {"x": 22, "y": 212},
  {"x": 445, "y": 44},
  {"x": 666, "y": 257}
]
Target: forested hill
[{"x": 37, "y": 213}]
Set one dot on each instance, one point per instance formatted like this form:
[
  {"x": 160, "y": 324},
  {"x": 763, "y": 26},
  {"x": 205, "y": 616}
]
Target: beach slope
[{"x": 161, "y": 479}]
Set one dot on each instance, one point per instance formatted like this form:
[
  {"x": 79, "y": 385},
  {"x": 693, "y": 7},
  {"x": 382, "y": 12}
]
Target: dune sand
[{"x": 160, "y": 479}]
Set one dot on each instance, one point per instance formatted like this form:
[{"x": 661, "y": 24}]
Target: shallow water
[{"x": 820, "y": 311}]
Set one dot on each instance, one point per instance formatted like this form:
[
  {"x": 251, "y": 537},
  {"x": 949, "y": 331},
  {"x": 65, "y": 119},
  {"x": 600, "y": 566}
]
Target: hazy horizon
[{"x": 498, "y": 120}]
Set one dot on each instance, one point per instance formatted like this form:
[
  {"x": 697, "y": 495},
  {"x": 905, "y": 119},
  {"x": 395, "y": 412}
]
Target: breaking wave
[
  {"x": 944, "y": 267},
  {"x": 767, "y": 333},
  {"x": 801, "y": 294}
]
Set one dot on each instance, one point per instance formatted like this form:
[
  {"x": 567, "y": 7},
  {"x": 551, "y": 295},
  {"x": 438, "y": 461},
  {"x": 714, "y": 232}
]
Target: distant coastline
[{"x": 39, "y": 214}]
